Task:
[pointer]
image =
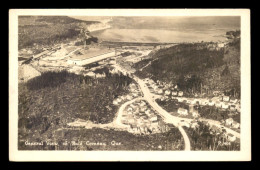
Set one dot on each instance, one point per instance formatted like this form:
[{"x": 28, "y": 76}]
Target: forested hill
[
  {"x": 48, "y": 30},
  {"x": 198, "y": 67}
]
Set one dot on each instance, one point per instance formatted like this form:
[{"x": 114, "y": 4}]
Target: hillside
[
  {"x": 48, "y": 30},
  {"x": 198, "y": 67}
]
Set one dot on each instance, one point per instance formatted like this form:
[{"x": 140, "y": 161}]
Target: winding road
[{"x": 168, "y": 118}]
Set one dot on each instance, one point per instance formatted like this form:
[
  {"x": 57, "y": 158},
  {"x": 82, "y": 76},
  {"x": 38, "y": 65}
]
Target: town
[{"x": 148, "y": 106}]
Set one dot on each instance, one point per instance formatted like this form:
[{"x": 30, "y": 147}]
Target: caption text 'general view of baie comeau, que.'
[{"x": 129, "y": 83}]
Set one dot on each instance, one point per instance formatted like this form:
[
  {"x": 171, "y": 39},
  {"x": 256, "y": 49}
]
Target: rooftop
[{"x": 91, "y": 52}]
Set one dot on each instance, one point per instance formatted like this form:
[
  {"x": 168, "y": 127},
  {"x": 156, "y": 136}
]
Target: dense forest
[
  {"x": 197, "y": 68},
  {"x": 53, "y": 99}
]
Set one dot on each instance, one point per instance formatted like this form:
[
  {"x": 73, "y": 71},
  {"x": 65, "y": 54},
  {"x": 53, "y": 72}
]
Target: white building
[
  {"x": 233, "y": 100},
  {"x": 211, "y": 103},
  {"x": 204, "y": 102},
  {"x": 115, "y": 102},
  {"x": 225, "y": 98},
  {"x": 229, "y": 121},
  {"x": 231, "y": 137},
  {"x": 174, "y": 93},
  {"x": 160, "y": 91},
  {"x": 195, "y": 114},
  {"x": 225, "y": 105},
  {"x": 236, "y": 124},
  {"x": 180, "y": 93},
  {"x": 218, "y": 104},
  {"x": 167, "y": 92},
  {"x": 183, "y": 112},
  {"x": 85, "y": 59}
]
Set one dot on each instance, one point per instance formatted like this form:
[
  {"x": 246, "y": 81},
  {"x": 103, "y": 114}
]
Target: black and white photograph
[{"x": 124, "y": 83}]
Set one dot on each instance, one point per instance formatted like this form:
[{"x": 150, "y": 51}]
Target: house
[
  {"x": 142, "y": 103},
  {"x": 155, "y": 88},
  {"x": 233, "y": 107},
  {"x": 153, "y": 118},
  {"x": 174, "y": 93},
  {"x": 143, "y": 109},
  {"x": 191, "y": 108},
  {"x": 218, "y": 104},
  {"x": 211, "y": 103},
  {"x": 124, "y": 121},
  {"x": 204, "y": 102},
  {"x": 143, "y": 129},
  {"x": 195, "y": 114},
  {"x": 160, "y": 91},
  {"x": 238, "y": 108},
  {"x": 148, "y": 112},
  {"x": 129, "y": 109},
  {"x": 235, "y": 125},
  {"x": 180, "y": 93},
  {"x": 129, "y": 112},
  {"x": 154, "y": 123},
  {"x": 225, "y": 105},
  {"x": 134, "y": 128},
  {"x": 188, "y": 101},
  {"x": 229, "y": 121},
  {"x": 115, "y": 102},
  {"x": 225, "y": 98},
  {"x": 167, "y": 92},
  {"x": 129, "y": 97},
  {"x": 119, "y": 100},
  {"x": 231, "y": 137},
  {"x": 233, "y": 100},
  {"x": 193, "y": 101},
  {"x": 216, "y": 93},
  {"x": 215, "y": 99},
  {"x": 123, "y": 97},
  {"x": 135, "y": 94},
  {"x": 133, "y": 106},
  {"x": 182, "y": 111},
  {"x": 194, "y": 125},
  {"x": 221, "y": 45},
  {"x": 144, "y": 117}
]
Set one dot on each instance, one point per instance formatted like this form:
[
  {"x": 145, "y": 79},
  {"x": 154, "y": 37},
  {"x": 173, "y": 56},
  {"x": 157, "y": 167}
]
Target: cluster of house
[
  {"x": 185, "y": 112},
  {"x": 135, "y": 92},
  {"x": 222, "y": 102},
  {"x": 168, "y": 91},
  {"x": 213, "y": 129},
  {"x": 141, "y": 119},
  {"x": 95, "y": 75},
  {"x": 216, "y": 46},
  {"x": 163, "y": 88},
  {"x": 228, "y": 136}
]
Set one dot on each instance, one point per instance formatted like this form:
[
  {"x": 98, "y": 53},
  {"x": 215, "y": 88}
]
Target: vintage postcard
[{"x": 129, "y": 85}]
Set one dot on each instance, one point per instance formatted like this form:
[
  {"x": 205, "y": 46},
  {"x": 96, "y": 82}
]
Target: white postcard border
[{"x": 243, "y": 155}]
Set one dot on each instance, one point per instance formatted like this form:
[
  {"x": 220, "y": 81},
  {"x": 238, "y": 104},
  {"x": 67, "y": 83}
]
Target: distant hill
[
  {"x": 198, "y": 68},
  {"x": 48, "y": 30}
]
